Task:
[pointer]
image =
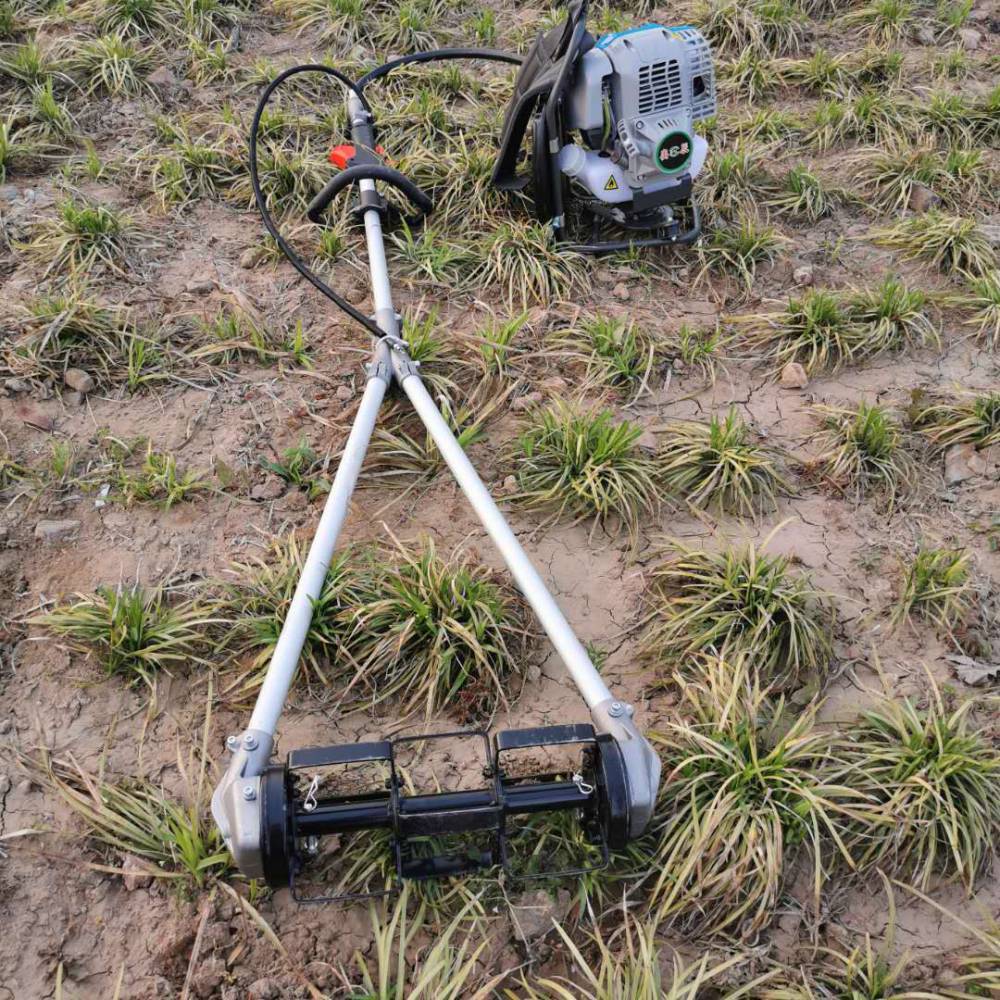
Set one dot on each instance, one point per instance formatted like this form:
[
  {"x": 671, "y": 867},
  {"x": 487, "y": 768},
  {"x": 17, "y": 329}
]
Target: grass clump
[
  {"x": 803, "y": 196},
  {"x": 137, "y": 819},
  {"x": 734, "y": 182},
  {"x": 952, "y": 243},
  {"x": 863, "y": 452},
  {"x": 447, "y": 967},
  {"x": 496, "y": 343},
  {"x": 890, "y": 316},
  {"x": 861, "y": 973},
  {"x": 700, "y": 350},
  {"x": 519, "y": 260},
  {"x": 437, "y": 633},
  {"x": 824, "y": 329},
  {"x": 255, "y": 605},
  {"x": 132, "y": 632},
  {"x": 983, "y": 298},
  {"x": 81, "y": 236},
  {"x": 586, "y": 465},
  {"x": 743, "y": 601},
  {"x": 620, "y": 352},
  {"x": 891, "y": 177},
  {"x": 193, "y": 168},
  {"x": 935, "y": 778},
  {"x": 299, "y": 466},
  {"x": 715, "y": 464},
  {"x": 628, "y": 963},
  {"x": 111, "y": 64},
  {"x": 814, "y": 330},
  {"x": 972, "y": 418},
  {"x": 72, "y": 330},
  {"x": 746, "y": 791},
  {"x": 738, "y": 250},
  {"x": 885, "y": 21},
  {"x": 936, "y": 587},
  {"x": 159, "y": 481}
]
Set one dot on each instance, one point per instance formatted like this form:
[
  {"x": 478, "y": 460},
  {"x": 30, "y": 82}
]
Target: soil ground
[{"x": 63, "y": 916}]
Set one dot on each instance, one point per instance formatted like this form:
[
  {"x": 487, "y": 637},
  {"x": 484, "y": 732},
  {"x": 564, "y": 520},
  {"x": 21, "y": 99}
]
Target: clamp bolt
[
  {"x": 232, "y": 743},
  {"x": 615, "y": 709},
  {"x": 249, "y": 793},
  {"x": 250, "y": 741}
]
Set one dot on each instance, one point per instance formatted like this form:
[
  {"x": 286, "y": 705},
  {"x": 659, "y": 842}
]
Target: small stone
[
  {"x": 344, "y": 393},
  {"x": 24, "y": 787},
  {"x": 990, "y": 230},
  {"x": 78, "y": 379},
  {"x": 15, "y": 385},
  {"x": 200, "y": 286},
  {"x": 162, "y": 80},
  {"x": 793, "y": 376},
  {"x": 961, "y": 462},
  {"x": 803, "y": 275},
  {"x": 970, "y": 38},
  {"x": 527, "y": 402},
  {"x": 53, "y": 532},
  {"x": 34, "y": 417},
  {"x": 509, "y": 485},
  {"x": 923, "y": 199},
  {"x": 4, "y": 784},
  {"x": 73, "y": 398},
  {"x": 270, "y": 489},
  {"x": 251, "y": 257},
  {"x": 135, "y": 873},
  {"x": 263, "y": 989},
  {"x": 5, "y": 726},
  {"x": 533, "y": 673},
  {"x": 535, "y": 913},
  {"x": 926, "y": 35},
  {"x": 216, "y": 936},
  {"x": 620, "y": 291},
  {"x": 648, "y": 443},
  {"x": 208, "y": 977}
]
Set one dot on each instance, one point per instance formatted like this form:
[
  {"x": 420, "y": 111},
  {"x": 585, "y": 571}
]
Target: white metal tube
[
  {"x": 288, "y": 649},
  {"x": 385, "y": 313},
  {"x": 589, "y": 682}
]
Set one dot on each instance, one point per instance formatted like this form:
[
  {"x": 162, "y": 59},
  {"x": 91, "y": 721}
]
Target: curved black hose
[
  {"x": 437, "y": 55},
  {"x": 357, "y": 88},
  {"x": 269, "y": 224}
]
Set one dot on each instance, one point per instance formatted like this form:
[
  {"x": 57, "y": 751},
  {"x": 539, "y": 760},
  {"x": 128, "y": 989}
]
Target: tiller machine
[{"x": 610, "y": 123}]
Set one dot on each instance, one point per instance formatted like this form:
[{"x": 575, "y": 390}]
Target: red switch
[{"x": 340, "y": 155}]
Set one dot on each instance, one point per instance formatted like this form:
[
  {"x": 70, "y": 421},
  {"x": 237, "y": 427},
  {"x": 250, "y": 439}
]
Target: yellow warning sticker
[{"x": 612, "y": 184}]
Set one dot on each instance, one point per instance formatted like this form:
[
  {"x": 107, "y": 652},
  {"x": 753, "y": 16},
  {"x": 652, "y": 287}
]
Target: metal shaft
[
  {"x": 589, "y": 682},
  {"x": 288, "y": 649}
]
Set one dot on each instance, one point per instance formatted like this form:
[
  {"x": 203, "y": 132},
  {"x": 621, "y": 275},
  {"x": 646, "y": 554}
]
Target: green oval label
[{"x": 673, "y": 152}]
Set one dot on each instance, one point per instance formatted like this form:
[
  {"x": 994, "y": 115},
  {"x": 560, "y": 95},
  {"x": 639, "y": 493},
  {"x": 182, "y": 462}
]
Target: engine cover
[{"x": 635, "y": 99}]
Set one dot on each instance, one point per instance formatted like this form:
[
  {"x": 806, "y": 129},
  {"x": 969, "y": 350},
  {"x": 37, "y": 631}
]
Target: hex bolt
[
  {"x": 250, "y": 741},
  {"x": 249, "y": 793},
  {"x": 615, "y": 709},
  {"x": 232, "y": 743}
]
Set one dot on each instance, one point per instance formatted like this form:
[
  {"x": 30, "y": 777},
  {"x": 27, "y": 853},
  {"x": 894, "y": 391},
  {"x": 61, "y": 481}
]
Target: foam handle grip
[{"x": 374, "y": 172}]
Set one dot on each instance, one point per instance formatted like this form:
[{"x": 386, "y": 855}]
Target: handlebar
[{"x": 374, "y": 172}]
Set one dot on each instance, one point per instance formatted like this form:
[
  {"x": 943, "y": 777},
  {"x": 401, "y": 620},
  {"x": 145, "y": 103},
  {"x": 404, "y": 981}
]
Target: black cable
[
  {"x": 357, "y": 88},
  {"x": 296, "y": 261},
  {"x": 437, "y": 55}
]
